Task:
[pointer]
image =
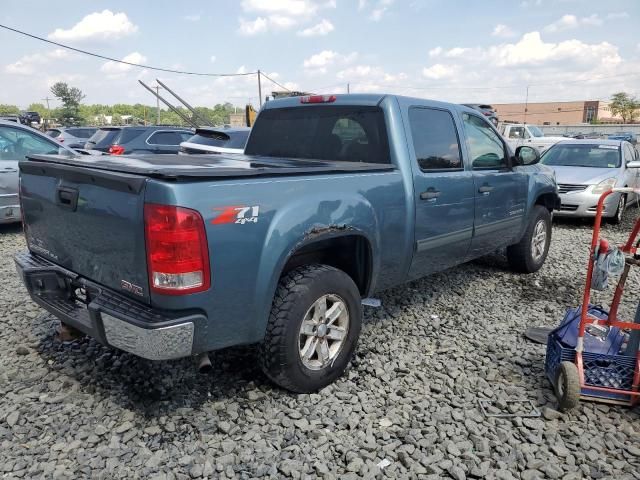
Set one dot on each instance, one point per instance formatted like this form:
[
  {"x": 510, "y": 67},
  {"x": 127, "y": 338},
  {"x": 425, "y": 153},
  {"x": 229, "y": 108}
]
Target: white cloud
[
  {"x": 319, "y": 62},
  {"x": 617, "y": 15},
  {"x": 569, "y": 22},
  {"x": 435, "y": 52},
  {"x": 30, "y": 64},
  {"x": 531, "y": 50},
  {"x": 502, "y": 31},
  {"x": 438, "y": 71},
  {"x": 111, "y": 67},
  {"x": 104, "y": 25},
  {"x": 193, "y": 18},
  {"x": 252, "y": 27},
  {"x": 323, "y": 28},
  {"x": 280, "y": 14}
]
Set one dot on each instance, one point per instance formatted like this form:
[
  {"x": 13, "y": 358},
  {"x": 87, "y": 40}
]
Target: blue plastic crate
[{"x": 609, "y": 371}]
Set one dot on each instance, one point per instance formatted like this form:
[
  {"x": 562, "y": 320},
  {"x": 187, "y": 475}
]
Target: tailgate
[{"x": 87, "y": 221}]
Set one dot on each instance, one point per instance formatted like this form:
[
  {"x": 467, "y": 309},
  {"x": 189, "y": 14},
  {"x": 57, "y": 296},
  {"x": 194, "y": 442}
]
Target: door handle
[
  {"x": 485, "y": 189},
  {"x": 67, "y": 198},
  {"x": 430, "y": 194}
]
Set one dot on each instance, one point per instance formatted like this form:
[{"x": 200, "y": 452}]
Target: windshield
[
  {"x": 591, "y": 156},
  {"x": 535, "y": 131},
  {"x": 336, "y": 133}
]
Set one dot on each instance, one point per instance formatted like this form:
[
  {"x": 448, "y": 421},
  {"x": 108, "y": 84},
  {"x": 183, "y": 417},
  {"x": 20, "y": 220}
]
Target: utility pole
[
  {"x": 46, "y": 121},
  {"x": 157, "y": 89},
  {"x": 526, "y": 105},
  {"x": 348, "y": 88},
  {"x": 260, "y": 88}
]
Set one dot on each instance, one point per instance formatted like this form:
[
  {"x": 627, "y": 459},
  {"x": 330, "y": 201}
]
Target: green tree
[
  {"x": 70, "y": 98},
  {"x": 9, "y": 109},
  {"x": 116, "y": 119},
  {"x": 625, "y": 105}
]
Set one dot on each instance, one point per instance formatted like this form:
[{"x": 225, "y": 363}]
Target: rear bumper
[{"x": 108, "y": 316}]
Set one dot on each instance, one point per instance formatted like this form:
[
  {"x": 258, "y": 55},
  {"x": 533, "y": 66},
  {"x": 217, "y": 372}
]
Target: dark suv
[
  {"x": 156, "y": 139},
  {"x": 27, "y": 118}
]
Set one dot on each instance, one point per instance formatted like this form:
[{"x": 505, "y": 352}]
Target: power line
[
  {"x": 272, "y": 80},
  {"x": 104, "y": 57}
]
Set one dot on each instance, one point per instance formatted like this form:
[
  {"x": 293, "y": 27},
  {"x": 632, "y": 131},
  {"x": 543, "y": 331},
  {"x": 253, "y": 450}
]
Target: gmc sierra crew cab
[{"x": 337, "y": 197}]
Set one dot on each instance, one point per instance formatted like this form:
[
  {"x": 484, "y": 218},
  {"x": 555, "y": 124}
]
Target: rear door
[
  {"x": 443, "y": 189},
  {"x": 500, "y": 190}
]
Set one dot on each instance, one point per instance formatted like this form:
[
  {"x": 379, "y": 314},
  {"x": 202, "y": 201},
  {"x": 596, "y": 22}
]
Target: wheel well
[
  {"x": 351, "y": 254},
  {"x": 547, "y": 200}
]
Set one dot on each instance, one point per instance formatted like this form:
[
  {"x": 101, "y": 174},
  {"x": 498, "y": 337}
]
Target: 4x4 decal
[{"x": 236, "y": 214}]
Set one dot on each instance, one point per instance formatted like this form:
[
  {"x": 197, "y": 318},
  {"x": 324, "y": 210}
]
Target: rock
[
  {"x": 22, "y": 350},
  {"x": 385, "y": 422},
  {"x": 550, "y": 413},
  {"x": 457, "y": 473},
  {"x": 123, "y": 427},
  {"x": 12, "y": 418}
]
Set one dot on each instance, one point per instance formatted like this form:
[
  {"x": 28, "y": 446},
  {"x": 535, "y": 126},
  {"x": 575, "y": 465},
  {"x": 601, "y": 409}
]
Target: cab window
[
  {"x": 485, "y": 146},
  {"x": 435, "y": 139}
]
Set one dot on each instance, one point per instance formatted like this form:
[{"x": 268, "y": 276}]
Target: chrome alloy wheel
[
  {"x": 539, "y": 240},
  {"x": 323, "y": 332}
]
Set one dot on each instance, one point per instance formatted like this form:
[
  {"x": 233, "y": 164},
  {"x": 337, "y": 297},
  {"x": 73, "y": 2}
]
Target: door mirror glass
[
  {"x": 634, "y": 164},
  {"x": 527, "y": 155}
]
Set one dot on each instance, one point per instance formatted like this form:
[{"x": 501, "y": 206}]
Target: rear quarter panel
[{"x": 247, "y": 258}]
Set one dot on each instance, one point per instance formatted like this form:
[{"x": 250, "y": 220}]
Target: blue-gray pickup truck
[{"x": 337, "y": 197}]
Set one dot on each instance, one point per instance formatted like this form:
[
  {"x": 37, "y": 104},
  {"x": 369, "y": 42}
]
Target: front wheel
[
  {"x": 313, "y": 328},
  {"x": 529, "y": 254},
  {"x": 617, "y": 217},
  {"x": 567, "y": 386}
]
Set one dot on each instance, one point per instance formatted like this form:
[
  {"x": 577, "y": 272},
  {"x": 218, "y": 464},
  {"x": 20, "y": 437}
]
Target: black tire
[
  {"x": 297, "y": 292},
  {"x": 567, "y": 386},
  {"x": 520, "y": 256},
  {"x": 617, "y": 217}
]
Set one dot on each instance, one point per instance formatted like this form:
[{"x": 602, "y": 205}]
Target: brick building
[{"x": 556, "y": 113}]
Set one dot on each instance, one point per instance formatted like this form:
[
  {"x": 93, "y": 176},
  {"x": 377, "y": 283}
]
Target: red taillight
[
  {"x": 116, "y": 150},
  {"x": 487, "y": 114},
  {"x": 177, "y": 250},
  {"x": 61, "y": 140},
  {"x": 318, "y": 99}
]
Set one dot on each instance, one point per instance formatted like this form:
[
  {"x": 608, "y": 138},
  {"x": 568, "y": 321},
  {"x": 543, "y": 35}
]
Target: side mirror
[
  {"x": 634, "y": 164},
  {"x": 526, "y": 155}
]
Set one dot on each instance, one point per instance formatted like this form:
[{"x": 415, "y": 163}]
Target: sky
[{"x": 489, "y": 51}]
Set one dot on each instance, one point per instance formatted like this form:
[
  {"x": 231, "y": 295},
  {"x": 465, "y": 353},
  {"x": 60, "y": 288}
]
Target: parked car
[
  {"x": 10, "y": 118},
  {"x": 156, "y": 139},
  {"x": 518, "y": 134},
  {"x": 626, "y": 136},
  {"x": 486, "y": 110},
  {"x": 16, "y": 142},
  {"x": 216, "y": 140},
  {"x": 337, "y": 198},
  {"x": 587, "y": 168},
  {"x": 102, "y": 139},
  {"x": 27, "y": 118},
  {"x": 73, "y": 137}
]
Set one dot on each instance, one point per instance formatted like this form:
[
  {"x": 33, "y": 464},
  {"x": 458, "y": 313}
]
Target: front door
[
  {"x": 444, "y": 192},
  {"x": 500, "y": 190},
  {"x": 15, "y": 144}
]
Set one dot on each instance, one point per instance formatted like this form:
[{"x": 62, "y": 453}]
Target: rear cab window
[
  {"x": 104, "y": 136},
  {"x": 167, "y": 138},
  {"x": 337, "y": 133}
]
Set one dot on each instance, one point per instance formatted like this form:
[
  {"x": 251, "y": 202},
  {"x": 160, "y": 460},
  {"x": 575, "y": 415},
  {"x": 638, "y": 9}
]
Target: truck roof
[{"x": 366, "y": 99}]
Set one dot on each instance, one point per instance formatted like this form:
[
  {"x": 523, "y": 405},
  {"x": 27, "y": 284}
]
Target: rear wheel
[
  {"x": 313, "y": 328},
  {"x": 529, "y": 254},
  {"x": 567, "y": 386}
]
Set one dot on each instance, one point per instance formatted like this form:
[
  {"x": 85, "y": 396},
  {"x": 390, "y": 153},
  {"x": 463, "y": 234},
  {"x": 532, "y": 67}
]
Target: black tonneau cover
[{"x": 207, "y": 166}]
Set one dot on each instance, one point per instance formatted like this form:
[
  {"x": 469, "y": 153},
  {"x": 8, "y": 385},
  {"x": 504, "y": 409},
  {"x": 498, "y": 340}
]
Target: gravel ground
[{"x": 410, "y": 399}]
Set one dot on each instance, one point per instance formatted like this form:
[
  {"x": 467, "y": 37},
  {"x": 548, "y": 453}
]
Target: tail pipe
[{"x": 204, "y": 363}]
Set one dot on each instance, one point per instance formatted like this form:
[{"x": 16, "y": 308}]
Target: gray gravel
[{"x": 407, "y": 407}]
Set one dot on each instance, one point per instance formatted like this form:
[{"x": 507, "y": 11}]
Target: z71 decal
[{"x": 236, "y": 214}]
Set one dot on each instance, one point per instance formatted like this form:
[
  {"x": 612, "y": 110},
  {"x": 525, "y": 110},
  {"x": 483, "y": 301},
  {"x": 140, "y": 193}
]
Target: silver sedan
[
  {"x": 587, "y": 168},
  {"x": 16, "y": 142}
]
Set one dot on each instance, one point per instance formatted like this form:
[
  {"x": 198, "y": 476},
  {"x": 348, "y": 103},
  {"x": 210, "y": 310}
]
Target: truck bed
[{"x": 208, "y": 166}]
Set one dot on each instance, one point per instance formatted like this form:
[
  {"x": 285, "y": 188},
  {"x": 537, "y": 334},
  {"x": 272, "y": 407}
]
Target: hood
[{"x": 583, "y": 175}]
